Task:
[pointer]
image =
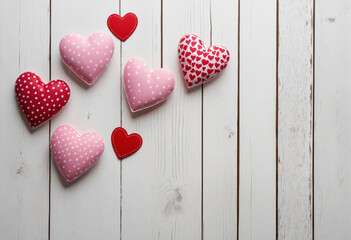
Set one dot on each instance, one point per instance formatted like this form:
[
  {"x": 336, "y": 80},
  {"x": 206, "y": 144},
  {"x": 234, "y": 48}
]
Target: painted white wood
[
  {"x": 257, "y": 120},
  {"x": 220, "y": 101},
  {"x": 140, "y": 182},
  {"x": 332, "y": 120},
  {"x": 295, "y": 119},
  {"x": 24, "y": 155},
  {"x": 89, "y": 208},
  {"x": 161, "y": 183}
]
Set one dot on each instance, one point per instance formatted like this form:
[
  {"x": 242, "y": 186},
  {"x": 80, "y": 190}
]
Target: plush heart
[
  {"x": 39, "y": 101},
  {"x": 145, "y": 88},
  {"x": 124, "y": 144},
  {"x": 74, "y": 154},
  {"x": 198, "y": 63},
  {"x": 122, "y": 27},
  {"x": 87, "y": 58}
]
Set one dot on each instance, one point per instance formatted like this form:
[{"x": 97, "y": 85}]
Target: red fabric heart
[
  {"x": 124, "y": 144},
  {"x": 39, "y": 101},
  {"x": 122, "y": 27}
]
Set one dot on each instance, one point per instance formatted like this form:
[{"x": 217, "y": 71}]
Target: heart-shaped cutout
[
  {"x": 145, "y": 88},
  {"x": 74, "y": 154},
  {"x": 38, "y": 101},
  {"x": 124, "y": 144},
  {"x": 122, "y": 27},
  {"x": 198, "y": 63},
  {"x": 87, "y": 58}
]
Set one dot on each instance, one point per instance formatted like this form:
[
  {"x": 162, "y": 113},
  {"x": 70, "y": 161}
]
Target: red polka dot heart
[{"x": 39, "y": 101}]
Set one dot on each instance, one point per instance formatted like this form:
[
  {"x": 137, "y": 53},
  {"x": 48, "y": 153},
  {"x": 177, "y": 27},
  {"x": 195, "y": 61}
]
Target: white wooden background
[{"x": 260, "y": 153}]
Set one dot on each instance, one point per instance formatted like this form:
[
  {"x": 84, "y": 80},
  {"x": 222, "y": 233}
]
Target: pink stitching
[
  {"x": 116, "y": 34},
  {"x": 132, "y": 134}
]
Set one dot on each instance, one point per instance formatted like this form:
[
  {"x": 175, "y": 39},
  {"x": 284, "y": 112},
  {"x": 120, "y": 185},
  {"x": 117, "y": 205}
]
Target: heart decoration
[
  {"x": 38, "y": 101},
  {"x": 198, "y": 63},
  {"x": 145, "y": 88},
  {"x": 122, "y": 27},
  {"x": 124, "y": 144},
  {"x": 87, "y": 58},
  {"x": 74, "y": 154}
]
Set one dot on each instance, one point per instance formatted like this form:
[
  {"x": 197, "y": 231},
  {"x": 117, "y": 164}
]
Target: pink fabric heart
[
  {"x": 144, "y": 88},
  {"x": 87, "y": 58},
  {"x": 74, "y": 154}
]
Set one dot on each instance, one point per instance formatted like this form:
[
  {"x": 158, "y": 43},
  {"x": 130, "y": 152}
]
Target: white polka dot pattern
[
  {"x": 74, "y": 154},
  {"x": 87, "y": 58},
  {"x": 40, "y": 102},
  {"x": 145, "y": 88}
]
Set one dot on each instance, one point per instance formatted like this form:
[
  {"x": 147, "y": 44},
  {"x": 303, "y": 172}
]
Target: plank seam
[
  {"x": 49, "y": 213},
  {"x": 238, "y": 132},
  {"x": 161, "y": 33},
  {"x": 121, "y": 117},
  {"x": 276, "y": 123},
  {"x": 313, "y": 106}
]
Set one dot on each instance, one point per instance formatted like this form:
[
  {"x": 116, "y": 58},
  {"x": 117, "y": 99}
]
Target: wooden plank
[
  {"x": 332, "y": 120},
  {"x": 161, "y": 183},
  {"x": 89, "y": 208},
  {"x": 220, "y": 101},
  {"x": 295, "y": 119},
  {"x": 24, "y": 155},
  {"x": 140, "y": 172},
  {"x": 257, "y": 119}
]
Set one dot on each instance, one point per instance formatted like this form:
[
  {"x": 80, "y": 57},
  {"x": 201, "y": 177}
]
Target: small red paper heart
[
  {"x": 39, "y": 102},
  {"x": 124, "y": 144},
  {"x": 122, "y": 27}
]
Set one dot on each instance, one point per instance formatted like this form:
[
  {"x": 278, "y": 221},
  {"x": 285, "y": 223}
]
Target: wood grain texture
[
  {"x": 141, "y": 208},
  {"x": 89, "y": 208},
  {"x": 332, "y": 120},
  {"x": 186, "y": 113},
  {"x": 220, "y": 101},
  {"x": 161, "y": 183},
  {"x": 183, "y": 183},
  {"x": 257, "y": 120},
  {"x": 295, "y": 119},
  {"x": 24, "y": 155}
]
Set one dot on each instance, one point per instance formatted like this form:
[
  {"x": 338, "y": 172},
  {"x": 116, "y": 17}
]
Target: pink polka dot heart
[
  {"x": 145, "y": 88},
  {"x": 74, "y": 154},
  {"x": 87, "y": 58},
  {"x": 39, "y": 101}
]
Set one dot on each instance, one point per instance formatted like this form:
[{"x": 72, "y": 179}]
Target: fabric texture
[
  {"x": 198, "y": 63},
  {"x": 74, "y": 154},
  {"x": 87, "y": 58},
  {"x": 124, "y": 144},
  {"x": 122, "y": 27},
  {"x": 38, "y": 101},
  {"x": 144, "y": 88}
]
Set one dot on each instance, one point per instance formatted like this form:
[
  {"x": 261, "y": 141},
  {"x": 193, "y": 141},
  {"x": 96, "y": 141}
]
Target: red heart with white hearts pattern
[
  {"x": 39, "y": 101},
  {"x": 198, "y": 63}
]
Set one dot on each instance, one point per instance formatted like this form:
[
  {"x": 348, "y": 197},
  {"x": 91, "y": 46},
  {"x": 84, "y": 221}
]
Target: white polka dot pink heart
[
  {"x": 87, "y": 58},
  {"x": 74, "y": 154},
  {"x": 145, "y": 88}
]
